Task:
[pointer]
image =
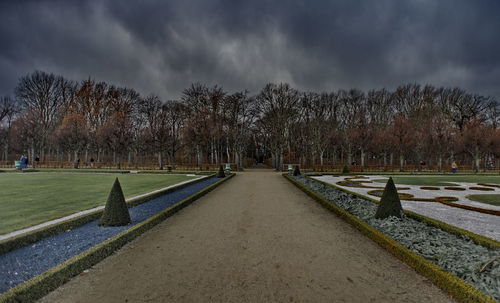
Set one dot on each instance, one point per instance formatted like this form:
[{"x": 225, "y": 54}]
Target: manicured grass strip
[
  {"x": 478, "y": 239},
  {"x": 446, "y": 180},
  {"x": 31, "y": 199},
  {"x": 37, "y": 235},
  {"x": 41, "y": 285},
  {"x": 457, "y": 287},
  {"x": 493, "y": 199}
]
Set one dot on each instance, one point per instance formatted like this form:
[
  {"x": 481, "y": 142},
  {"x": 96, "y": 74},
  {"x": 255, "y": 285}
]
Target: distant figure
[
  {"x": 91, "y": 162},
  {"x": 24, "y": 161},
  {"x": 454, "y": 167},
  {"x": 37, "y": 160}
]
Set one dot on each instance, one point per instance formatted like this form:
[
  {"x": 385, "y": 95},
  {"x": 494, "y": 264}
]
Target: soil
[{"x": 256, "y": 238}]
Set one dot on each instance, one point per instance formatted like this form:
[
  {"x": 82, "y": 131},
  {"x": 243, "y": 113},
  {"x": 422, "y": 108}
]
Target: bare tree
[
  {"x": 44, "y": 95},
  {"x": 278, "y": 104}
]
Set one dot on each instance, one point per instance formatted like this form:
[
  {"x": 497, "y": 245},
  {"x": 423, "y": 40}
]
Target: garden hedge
[
  {"x": 41, "y": 285},
  {"x": 57, "y": 228},
  {"x": 478, "y": 239},
  {"x": 455, "y": 286}
]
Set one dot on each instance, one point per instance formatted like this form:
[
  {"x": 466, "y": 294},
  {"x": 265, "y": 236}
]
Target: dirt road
[{"x": 256, "y": 238}]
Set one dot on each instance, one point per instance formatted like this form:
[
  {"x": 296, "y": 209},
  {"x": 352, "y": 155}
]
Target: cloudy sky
[{"x": 161, "y": 47}]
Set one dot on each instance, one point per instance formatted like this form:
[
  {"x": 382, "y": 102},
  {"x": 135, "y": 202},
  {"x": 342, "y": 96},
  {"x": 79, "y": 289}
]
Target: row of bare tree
[{"x": 58, "y": 119}]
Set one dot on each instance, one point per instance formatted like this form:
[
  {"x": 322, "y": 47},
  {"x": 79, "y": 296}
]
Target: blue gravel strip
[{"x": 27, "y": 262}]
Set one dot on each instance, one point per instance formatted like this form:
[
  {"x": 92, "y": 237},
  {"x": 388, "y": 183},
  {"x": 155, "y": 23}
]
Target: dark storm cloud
[{"x": 163, "y": 46}]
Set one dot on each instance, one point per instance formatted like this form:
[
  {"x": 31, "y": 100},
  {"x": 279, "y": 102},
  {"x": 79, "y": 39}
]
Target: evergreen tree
[
  {"x": 116, "y": 211},
  {"x": 390, "y": 205}
]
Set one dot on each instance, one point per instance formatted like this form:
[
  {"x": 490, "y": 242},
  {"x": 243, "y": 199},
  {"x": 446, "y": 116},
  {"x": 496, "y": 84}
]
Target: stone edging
[
  {"x": 42, "y": 284},
  {"x": 452, "y": 284}
]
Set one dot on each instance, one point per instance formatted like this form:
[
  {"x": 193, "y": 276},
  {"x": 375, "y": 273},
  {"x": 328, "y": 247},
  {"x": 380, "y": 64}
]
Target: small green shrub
[
  {"x": 346, "y": 170},
  {"x": 116, "y": 211},
  {"x": 389, "y": 205},
  {"x": 296, "y": 170},
  {"x": 220, "y": 173}
]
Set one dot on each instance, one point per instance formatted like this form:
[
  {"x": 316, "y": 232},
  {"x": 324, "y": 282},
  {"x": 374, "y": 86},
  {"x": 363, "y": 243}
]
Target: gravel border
[
  {"x": 456, "y": 254},
  {"x": 27, "y": 262}
]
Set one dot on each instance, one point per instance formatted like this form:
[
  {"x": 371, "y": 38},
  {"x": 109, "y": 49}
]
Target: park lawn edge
[
  {"x": 48, "y": 281},
  {"x": 57, "y": 228},
  {"x": 478, "y": 239},
  {"x": 456, "y": 287}
]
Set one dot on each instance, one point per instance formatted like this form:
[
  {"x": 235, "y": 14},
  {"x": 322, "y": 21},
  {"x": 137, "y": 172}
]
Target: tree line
[{"x": 57, "y": 119}]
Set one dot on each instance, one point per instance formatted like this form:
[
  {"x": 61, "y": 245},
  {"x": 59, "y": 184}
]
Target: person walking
[{"x": 454, "y": 167}]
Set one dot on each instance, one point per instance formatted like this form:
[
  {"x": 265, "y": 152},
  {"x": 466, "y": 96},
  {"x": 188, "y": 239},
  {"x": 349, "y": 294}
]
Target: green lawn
[
  {"x": 493, "y": 199},
  {"x": 31, "y": 198},
  {"x": 442, "y": 180}
]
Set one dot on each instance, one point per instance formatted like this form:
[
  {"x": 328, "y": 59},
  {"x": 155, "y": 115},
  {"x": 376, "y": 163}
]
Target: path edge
[
  {"x": 456, "y": 287},
  {"x": 48, "y": 281}
]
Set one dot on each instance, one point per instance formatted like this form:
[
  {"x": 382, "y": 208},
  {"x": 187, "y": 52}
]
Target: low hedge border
[
  {"x": 471, "y": 208},
  {"x": 481, "y": 188},
  {"x": 83, "y": 170},
  {"x": 175, "y": 172},
  {"x": 41, "y": 285},
  {"x": 57, "y": 228},
  {"x": 478, "y": 239},
  {"x": 457, "y": 287}
]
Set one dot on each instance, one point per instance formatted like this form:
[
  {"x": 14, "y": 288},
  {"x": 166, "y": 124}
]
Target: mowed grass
[
  {"x": 28, "y": 199},
  {"x": 442, "y": 180},
  {"x": 493, "y": 199}
]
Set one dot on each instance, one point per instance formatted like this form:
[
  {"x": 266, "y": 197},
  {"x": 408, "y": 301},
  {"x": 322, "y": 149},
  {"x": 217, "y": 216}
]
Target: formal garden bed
[
  {"x": 50, "y": 261},
  {"x": 475, "y": 263}
]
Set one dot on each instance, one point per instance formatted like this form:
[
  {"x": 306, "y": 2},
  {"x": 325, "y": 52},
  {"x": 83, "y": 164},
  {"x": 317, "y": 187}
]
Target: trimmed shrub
[
  {"x": 116, "y": 211},
  {"x": 402, "y": 196},
  {"x": 346, "y": 170},
  {"x": 481, "y": 188},
  {"x": 220, "y": 173},
  {"x": 489, "y": 184},
  {"x": 296, "y": 171},
  {"x": 429, "y": 188},
  {"x": 390, "y": 205},
  {"x": 447, "y": 199},
  {"x": 454, "y": 188}
]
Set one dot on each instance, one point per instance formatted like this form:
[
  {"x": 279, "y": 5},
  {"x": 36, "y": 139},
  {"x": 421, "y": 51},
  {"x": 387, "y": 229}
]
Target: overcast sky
[{"x": 162, "y": 47}]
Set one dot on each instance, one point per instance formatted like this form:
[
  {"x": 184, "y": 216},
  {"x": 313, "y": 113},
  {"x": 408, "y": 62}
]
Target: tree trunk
[
  {"x": 477, "y": 160},
  {"x": 362, "y": 159},
  {"x": 160, "y": 160}
]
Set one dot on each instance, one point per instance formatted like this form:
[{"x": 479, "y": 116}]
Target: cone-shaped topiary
[
  {"x": 345, "y": 170},
  {"x": 390, "y": 205},
  {"x": 220, "y": 173},
  {"x": 296, "y": 170},
  {"x": 116, "y": 211}
]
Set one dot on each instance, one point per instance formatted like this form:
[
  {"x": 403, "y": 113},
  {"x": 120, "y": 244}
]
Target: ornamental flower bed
[{"x": 459, "y": 255}]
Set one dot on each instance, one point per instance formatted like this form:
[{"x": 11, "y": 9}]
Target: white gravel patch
[{"x": 476, "y": 222}]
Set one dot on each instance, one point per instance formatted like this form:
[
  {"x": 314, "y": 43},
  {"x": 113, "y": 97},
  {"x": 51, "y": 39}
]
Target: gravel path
[
  {"x": 476, "y": 222},
  {"x": 257, "y": 238}
]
